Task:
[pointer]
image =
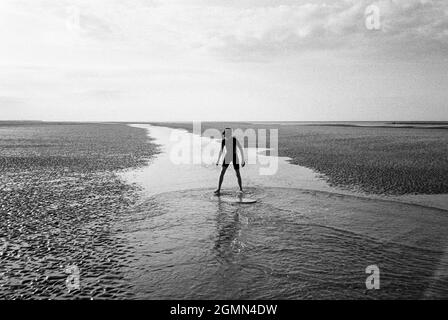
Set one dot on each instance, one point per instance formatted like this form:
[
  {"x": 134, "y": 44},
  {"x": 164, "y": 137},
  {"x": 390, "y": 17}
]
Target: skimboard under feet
[{"x": 232, "y": 198}]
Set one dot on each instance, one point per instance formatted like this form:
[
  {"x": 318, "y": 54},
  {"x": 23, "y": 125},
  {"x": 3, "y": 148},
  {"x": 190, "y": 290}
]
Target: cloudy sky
[{"x": 155, "y": 60}]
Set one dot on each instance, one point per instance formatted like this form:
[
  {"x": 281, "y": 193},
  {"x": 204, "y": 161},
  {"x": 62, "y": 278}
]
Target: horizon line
[{"x": 259, "y": 121}]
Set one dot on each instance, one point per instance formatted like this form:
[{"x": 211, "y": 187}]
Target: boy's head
[{"x": 227, "y": 133}]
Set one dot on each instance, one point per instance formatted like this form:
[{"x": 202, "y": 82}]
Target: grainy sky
[{"x": 153, "y": 60}]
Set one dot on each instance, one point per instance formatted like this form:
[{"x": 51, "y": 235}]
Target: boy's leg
[
  {"x": 221, "y": 177},
  {"x": 238, "y": 176}
]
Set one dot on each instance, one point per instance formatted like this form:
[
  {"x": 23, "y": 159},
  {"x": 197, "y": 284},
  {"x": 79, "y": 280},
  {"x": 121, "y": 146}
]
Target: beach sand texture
[
  {"x": 107, "y": 198},
  {"x": 303, "y": 239},
  {"x": 60, "y": 204},
  {"x": 371, "y": 157}
]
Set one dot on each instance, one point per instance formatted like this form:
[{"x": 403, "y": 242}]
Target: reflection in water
[
  {"x": 228, "y": 242},
  {"x": 291, "y": 244},
  {"x": 227, "y": 245}
]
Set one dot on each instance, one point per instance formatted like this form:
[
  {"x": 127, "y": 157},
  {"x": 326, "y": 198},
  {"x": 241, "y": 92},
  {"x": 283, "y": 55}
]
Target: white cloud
[
  {"x": 235, "y": 31},
  {"x": 178, "y": 57}
]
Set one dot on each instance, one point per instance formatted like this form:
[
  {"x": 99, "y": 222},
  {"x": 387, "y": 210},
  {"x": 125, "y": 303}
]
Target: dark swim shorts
[{"x": 236, "y": 166}]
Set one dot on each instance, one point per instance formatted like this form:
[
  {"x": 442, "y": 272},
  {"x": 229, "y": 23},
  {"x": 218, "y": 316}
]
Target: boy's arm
[
  {"x": 243, "y": 161},
  {"x": 220, "y": 153}
]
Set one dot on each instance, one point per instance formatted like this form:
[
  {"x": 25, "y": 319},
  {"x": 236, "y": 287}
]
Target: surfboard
[{"x": 237, "y": 200}]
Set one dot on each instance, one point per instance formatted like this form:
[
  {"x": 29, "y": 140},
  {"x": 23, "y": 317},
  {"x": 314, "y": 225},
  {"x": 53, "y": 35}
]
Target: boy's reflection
[{"x": 228, "y": 225}]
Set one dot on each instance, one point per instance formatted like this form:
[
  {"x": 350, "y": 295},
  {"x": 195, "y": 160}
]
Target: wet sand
[
  {"x": 366, "y": 157},
  {"x": 171, "y": 177},
  {"x": 61, "y": 205},
  {"x": 86, "y": 195},
  {"x": 303, "y": 239}
]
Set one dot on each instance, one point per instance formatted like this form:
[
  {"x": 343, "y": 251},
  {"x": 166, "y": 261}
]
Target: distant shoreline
[
  {"x": 372, "y": 157},
  {"x": 376, "y": 160},
  {"x": 295, "y": 122}
]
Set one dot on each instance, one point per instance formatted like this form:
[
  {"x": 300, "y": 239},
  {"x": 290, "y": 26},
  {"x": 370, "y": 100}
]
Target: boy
[{"x": 231, "y": 156}]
